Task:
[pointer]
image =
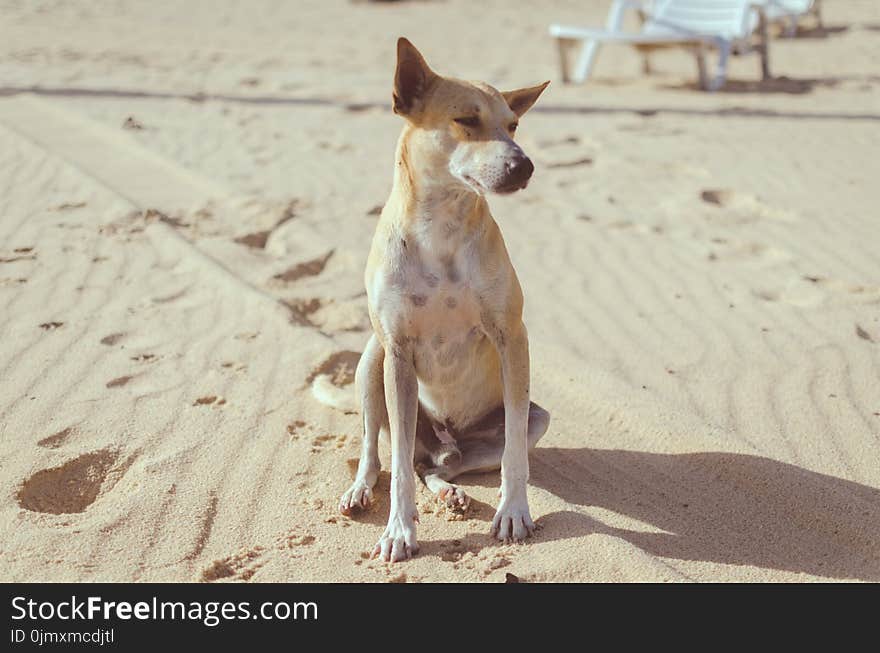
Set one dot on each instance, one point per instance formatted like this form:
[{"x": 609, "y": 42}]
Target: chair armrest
[
  {"x": 759, "y": 8},
  {"x": 619, "y": 7},
  {"x": 615, "y": 17}
]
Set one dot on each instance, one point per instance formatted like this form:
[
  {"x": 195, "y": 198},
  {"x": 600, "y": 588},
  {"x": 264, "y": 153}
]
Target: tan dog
[{"x": 446, "y": 372}]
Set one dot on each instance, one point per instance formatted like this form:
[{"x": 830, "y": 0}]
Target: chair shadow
[
  {"x": 782, "y": 84},
  {"x": 357, "y": 107},
  {"x": 718, "y": 112},
  {"x": 719, "y": 507},
  {"x": 820, "y": 32}
]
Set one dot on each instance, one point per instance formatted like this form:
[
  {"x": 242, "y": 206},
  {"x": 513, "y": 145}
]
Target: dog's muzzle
[{"x": 519, "y": 170}]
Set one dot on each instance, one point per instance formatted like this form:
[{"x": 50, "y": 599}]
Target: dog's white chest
[{"x": 443, "y": 313}]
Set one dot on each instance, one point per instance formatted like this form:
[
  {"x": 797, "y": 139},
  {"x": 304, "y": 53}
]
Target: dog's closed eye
[{"x": 468, "y": 121}]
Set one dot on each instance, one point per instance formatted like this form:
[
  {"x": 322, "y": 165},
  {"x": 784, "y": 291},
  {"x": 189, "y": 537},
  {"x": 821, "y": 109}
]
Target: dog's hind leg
[
  {"x": 481, "y": 451},
  {"x": 370, "y": 389}
]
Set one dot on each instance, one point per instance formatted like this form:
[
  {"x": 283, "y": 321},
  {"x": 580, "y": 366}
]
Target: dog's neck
[{"x": 436, "y": 208}]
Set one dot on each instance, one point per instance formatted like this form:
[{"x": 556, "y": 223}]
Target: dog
[{"x": 446, "y": 372}]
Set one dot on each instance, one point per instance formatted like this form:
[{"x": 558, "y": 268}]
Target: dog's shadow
[{"x": 718, "y": 507}]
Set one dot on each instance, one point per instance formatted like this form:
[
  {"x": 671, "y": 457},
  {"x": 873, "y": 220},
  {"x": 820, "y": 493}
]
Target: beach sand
[{"x": 186, "y": 203}]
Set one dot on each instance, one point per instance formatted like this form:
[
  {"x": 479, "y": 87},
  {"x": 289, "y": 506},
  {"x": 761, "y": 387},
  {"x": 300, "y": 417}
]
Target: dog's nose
[{"x": 519, "y": 170}]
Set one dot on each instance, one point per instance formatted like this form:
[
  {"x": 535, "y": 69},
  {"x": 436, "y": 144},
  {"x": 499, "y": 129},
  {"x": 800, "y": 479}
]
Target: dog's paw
[
  {"x": 455, "y": 499},
  {"x": 358, "y": 497},
  {"x": 512, "y": 522},
  {"x": 398, "y": 542}
]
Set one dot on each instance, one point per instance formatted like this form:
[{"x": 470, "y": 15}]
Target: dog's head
[{"x": 468, "y": 127}]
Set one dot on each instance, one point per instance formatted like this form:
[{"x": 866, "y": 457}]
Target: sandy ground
[{"x": 186, "y": 201}]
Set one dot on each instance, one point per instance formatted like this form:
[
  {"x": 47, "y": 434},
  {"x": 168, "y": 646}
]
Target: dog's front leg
[
  {"x": 398, "y": 542},
  {"x": 512, "y": 520}
]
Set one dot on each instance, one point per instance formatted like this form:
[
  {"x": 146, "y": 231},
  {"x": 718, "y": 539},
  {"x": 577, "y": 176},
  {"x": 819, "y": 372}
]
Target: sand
[{"x": 186, "y": 202}]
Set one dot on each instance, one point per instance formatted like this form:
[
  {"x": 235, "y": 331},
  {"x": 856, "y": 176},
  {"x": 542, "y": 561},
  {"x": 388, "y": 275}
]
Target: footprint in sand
[
  {"x": 132, "y": 123},
  {"x": 340, "y": 367},
  {"x": 243, "y": 565},
  {"x": 574, "y": 163},
  {"x": 854, "y": 293},
  {"x": 475, "y": 558},
  {"x": 119, "y": 381},
  {"x": 472, "y": 557},
  {"x": 802, "y": 295},
  {"x": 20, "y": 254},
  {"x": 256, "y": 240},
  {"x": 327, "y": 315},
  {"x": 323, "y": 441},
  {"x": 259, "y": 239},
  {"x": 743, "y": 208},
  {"x": 56, "y": 439},
  {"x": 455, "y": 550},
  {"x": 347, "y": 315},
  {"x": 864, "y": 335},
  {"x": 112, "y": 339},
  {"x": 240, "y": 566},
  {"x": 812, "y": 291},
  {"x": 153, "y": 215},
  {"x": 167, "y": 299},
  {"x": 723, "y": 249},
  {"x": 497, "y": 562},
  {"x": 301, "y": 310},
  {"x": 717, "y": 197},
  {"x": 291, "y": 540},
  {"x": 209, "y": 400},
  {"x": 71, "y": 487},
  {"x": 310, "y": 268},
  {"x": 69, "y": 206},
  {"x": 296, "y": 428}
]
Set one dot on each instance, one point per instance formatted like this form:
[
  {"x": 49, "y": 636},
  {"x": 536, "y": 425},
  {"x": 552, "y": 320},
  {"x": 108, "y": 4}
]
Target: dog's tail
[{"x": 330, "y": 394}]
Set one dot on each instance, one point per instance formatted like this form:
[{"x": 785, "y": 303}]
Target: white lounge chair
[
  {"x": 789, "y": 12},
  {"x": 730, "y": 26}
]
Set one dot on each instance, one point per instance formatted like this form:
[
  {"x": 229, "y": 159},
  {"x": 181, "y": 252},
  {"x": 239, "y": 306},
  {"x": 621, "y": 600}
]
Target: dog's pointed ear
[
  {"x": 522, "y": 99},
  {"x": 412, "y": 78}
]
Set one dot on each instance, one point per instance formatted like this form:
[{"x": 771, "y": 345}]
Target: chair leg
[
  {"x": 764, "y": 47},
  {"x": 700, "y": 53},
  {"x": 562, "y": 48},
  {"x": 724, "y": 48},
  {"x": 584, "y": 65}
]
